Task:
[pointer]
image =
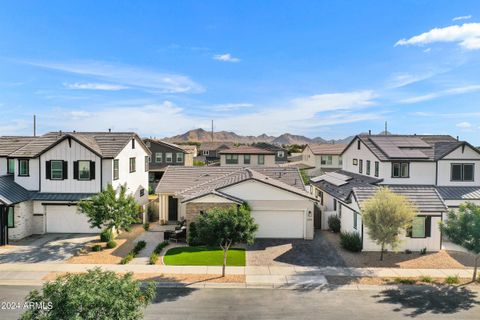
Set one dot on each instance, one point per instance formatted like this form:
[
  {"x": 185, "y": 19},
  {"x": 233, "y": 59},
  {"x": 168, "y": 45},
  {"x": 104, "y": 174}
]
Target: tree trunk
[
  {"x": 225, "y": 252},
  {"x": 475, "y": 268},
  {"x": 381, "y": 252}
]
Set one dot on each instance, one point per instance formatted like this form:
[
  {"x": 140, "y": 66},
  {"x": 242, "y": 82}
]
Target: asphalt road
[{"x": 174, "y": 303}]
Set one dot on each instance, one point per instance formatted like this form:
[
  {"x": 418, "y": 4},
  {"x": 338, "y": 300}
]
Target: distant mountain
[{"x": 201, "y": 135}]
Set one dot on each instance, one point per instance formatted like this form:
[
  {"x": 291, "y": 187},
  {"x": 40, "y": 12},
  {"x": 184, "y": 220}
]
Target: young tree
[
  {"x": 463, "y": 228},
  {"x": 111, "y": 210},
  {"x": 95, "y": 295},
  {"x": 225, "y": 228},
  {"x": 386, "y": 215}
]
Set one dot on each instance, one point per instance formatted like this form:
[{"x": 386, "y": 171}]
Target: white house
[
  {"x": 279, "y": 202},
  {"x": 51, "y": 173},
  {"x": 322, "y": 158},
  {"x": 247, "y": 156}
]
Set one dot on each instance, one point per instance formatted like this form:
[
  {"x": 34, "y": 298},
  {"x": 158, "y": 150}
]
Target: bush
[
  {"x": 426, "y": 279},
  {"x": 405, "y": 281},
  {"x": 111, "y": 244},
  {"x": 106, "y": 235},
  {"x": 153, "y": 258},
  {"x": 151, "y": 190},
  {"x": 452, "y": 280},
  {"x": 423, "y": 251},
  {"x": 139, "y": 247},
  {"x": 160, "y": 247},
  {"x": 198, "y": 163},
  {"x": 192, "y": 235},
  {"x": 351, "y": 241},
  {"x": 129, "y": 257},
  {"x": 97, "y": 248},
  {"x": 334, "y": 223},
  {"x": 408, "y": 251},
  {"x": 146, "y": 226}
]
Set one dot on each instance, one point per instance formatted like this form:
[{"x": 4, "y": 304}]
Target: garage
[
  {"x": 279, "y": 223},
  {"x": 65, "y": 219}
]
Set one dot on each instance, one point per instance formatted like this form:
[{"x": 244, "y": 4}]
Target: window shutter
[
  {"x": 428, "y": 227},
  {"x": 92, "y": 170},
  {"x": 48, "y": 170},
  {"x": 75, "y": 170},
  {"x": 65, "y": 170}
]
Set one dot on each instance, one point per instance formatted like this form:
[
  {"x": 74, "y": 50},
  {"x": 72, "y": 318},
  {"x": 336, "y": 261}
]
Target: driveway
[
  {"x": 48, "y": 248},
  {"x": 294, "y": 252}
]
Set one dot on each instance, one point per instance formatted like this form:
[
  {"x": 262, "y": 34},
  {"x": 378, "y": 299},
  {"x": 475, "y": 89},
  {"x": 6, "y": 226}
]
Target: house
[
  {"x": 279, "y": 202},
  {"x": 42, "y": 178},
  {"x": 322, "y": 157},
  {"x": 209, "y": 151},
  {"x": 281, "y": 154},
  {"x": 166, "y": 154},
  {"x": 247, "y": 156},
  {"x": 435, "y": 172}
]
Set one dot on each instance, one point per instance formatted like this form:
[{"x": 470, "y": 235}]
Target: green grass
[{"x": 203, "y": 256}]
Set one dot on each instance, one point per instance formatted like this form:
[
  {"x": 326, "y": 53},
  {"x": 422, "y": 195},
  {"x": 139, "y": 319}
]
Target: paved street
[{"x": 175, "y": 303}]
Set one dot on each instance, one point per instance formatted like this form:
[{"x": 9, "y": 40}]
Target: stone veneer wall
[
  {"x": 23, "y": 220},
  {"x": 193, "y": 209}
]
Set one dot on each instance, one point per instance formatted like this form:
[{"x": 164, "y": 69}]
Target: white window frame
[
  {"x": 177, "y": 158},
  {"x": 52, "y": 170},
  {"x": 80, "y": 170},
  {"x": 168, "y": 157},
  {"x": 158, "y": 157}
]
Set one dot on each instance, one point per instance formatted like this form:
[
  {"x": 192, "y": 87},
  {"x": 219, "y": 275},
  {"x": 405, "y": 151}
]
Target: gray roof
[
  {"x": 11, "y": 192},
  {"x": 424, "y": 198},
  {"x": 51, "y": 196},
  {"x": 216, "y": 145},
  {"x": 167, "y": 144},
  {"x": 9, "y": 144},
  {"x": 459, "y": 193}
]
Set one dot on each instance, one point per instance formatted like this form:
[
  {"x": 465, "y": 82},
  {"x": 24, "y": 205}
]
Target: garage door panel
[
  {"x": 279, "y": 223},
  {"x": 65, "y": 219}
]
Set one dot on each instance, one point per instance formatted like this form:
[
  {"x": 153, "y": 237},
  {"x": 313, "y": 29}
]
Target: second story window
[
  {"x": 169, "y": 157},
  {"x": 132, "y": 165},
  {"x": 11, "y": 166},
  {"x": 116, "y": 169},
  {"x": 246, "y": 159},
  {"x": 205, "y": 152},
  {"x": 179, "y": 157},
  {"x": 146, "y": 162},
  {"x": 358, "y": 144},
  {"x": 261, "y": 159},
  {"x": 355, "y": 162},
  {"x": 158, "y": 157},
  {"x": 84, "y": 170},
  {"x": 23, "y": 167},
  {"x": 133, "y": 143},
  {"x": 462, "y": 172},
  {"x": 326, "y": 160},
  {"x": 56, "y": 170},
  {"x": 231, "y": 158},
  {"x": 400, "y": 169},
  {"x": 377, "y": 168},
  {"x": 360, "y": 166},
  {"x": 368, "y": 167},
  {"x": 280, "y": 154}
]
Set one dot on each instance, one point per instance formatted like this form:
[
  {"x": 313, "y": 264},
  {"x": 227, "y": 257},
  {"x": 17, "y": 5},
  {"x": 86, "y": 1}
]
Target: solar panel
[{"x": 402, "y": 147}]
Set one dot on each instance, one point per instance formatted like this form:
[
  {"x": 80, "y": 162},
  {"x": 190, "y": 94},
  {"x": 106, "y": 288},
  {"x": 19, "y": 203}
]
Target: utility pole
[
  {"x": 385, "y": 132},
  {"x": 212, "y": 130},
  {"x": 34, "y": 125}
]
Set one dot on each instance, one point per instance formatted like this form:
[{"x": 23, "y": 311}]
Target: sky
[{"x": 316, "y": 68}]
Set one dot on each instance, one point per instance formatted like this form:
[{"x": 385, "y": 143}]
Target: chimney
[
  {"x": 369, "y": 132},
  {"x": 386, "y": 128},
  {"x": 34, "y": 125},
  {"x": 457, "y": 138},
  {"x": 109, "y": 130}
]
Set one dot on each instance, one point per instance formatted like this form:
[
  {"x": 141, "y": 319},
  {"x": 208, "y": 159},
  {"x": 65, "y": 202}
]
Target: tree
[
  {"x": 305, "y": 177},
  {"x": 96, "y": 294},
  {"x": 111, "y": 210},
  {"x": 386, "y": 215},
  {"x": 463, "y": 228},
  {"x": 225, "y": 228}
]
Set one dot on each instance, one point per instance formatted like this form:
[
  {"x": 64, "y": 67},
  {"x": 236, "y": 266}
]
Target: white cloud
[
  {"x": 95, "y": 86},
  {"x": 227, "y": 57},
  {"x": 125, "y": 75},
  {"x": 447, "y": 92},
  {"x": 230, "y": 106},
  {"x": 466, "y": 35},
  {"x": 464, "y": 125},
  {"x": 399, "y": 80},
  {"x": 427, "y": 50},
  {"x": 462, "y": 18}
]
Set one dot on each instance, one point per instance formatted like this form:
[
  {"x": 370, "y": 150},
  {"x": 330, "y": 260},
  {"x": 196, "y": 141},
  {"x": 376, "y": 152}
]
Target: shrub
[
  {"x": 405, "y": 281},
  {"x": 111, "y": 244},
  {"x": 426, "y": 279},
  {"x": 351, "y": 241},
  {"x": 139, "y": 246},
  {"x": 198, "y": 163},
  {"x": 146, "y": 226},
  {"x": 334, "y": 223},
  {"x": 192, "y": 235},
  {"x": 129, "y": 257},
  {"x": 423, "y": 251},
  {"x": 106, "y": 235},
  {"x": 160, "y": 247},
  {"x": 452, "y": 279},
  {"x": 153, "y": 258},
  {"x": 97, "y": 248},
  {"x": 151, "y": 190},
  {"x": 408, "y": 251}
]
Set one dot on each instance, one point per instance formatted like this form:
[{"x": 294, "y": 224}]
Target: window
[
  {"x": 358, "y": 144},
  {"x": 158, "y": 157},
  {"x": 142, "y": 192},
  {"x": 115, "y": 169},
  {"x": 360, "y": 166},
  {"x": 132, "y": 165},
  {"x": 168, "y": 157},
  {"x": 400, "y": 169},
  {"x": 377, "y": 168},
  {"x": 418, "y": 227},
  {"x": 368, "y": 167},
  {"x": 179, "y": 157},
  {"x": 10, "y": 217},
  {"x": 261, "y": 159},
  {"x": 231, "y": 158},
  {"x": 326, "y": 160},
  {"x": 205, "y": 152},
  {"x": 340, "y": 210},
  {"x": 462, "y": 172},
  {"x": 23, "y": 167},
  {"x": 320, "y": 194},
  {"x": 246, "y": 159},
  {"x": 355, "y": 162},
  {"x": 334, "y": 204},
  {"x": 56, "y": 170},
  {"x": 83, "y": 170},
  {"x": 133, "y": 143},
  {"x": 355, "y": 222},
  {"x": 11, "y": 166},
  {"x": 340, "y": 161},
  {"x": 280, "y": 154},
  {"x": 146, "y": 163}
]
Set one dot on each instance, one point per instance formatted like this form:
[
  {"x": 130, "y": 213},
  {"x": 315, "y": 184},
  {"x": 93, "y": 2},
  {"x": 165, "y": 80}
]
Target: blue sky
[{"x": 316, "y": 68}]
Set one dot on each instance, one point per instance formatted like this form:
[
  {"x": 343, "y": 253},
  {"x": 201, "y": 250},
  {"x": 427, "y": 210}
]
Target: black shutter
[
  {"x": 428, "y": 227},
  {"x": 65, "y": 169},
  {"x": 92, "y": 170},
  {"x": 75, "y": 170},
  {"x": 48, "y": 170}
]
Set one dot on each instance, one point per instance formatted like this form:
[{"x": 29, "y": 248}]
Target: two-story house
[
  {"x": 322, "y": 158},
  {"x": 281, "y": 154},
  {"x": 42, "y": 178},
  {"x": 210, "y": 151},
  {"x": 435, "y": 172},
  {"x": 247, "y": 156},
  {"x": 166, "y": 154}
]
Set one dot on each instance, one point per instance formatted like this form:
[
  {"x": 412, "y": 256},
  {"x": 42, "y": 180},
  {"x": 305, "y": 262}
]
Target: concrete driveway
[
  {"x": 294, "y": 252},
  {"x": 48, "y": 248}
]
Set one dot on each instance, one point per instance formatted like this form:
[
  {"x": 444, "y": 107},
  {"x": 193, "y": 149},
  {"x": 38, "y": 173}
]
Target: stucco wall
[{"x": 269, "y": 160}]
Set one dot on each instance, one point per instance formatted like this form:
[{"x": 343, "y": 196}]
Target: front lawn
[{"x": 203, "y": 256}]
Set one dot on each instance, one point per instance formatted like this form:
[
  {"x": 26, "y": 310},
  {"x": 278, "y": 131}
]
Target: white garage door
[
  {"x": 279, "y": 224},
  {"x": 65, "y": 219}
]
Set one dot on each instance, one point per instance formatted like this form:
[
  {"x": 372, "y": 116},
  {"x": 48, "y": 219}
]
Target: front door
[
  {"x": 172, "y": 209},
  {"x": 3, "y": 226},
  {"x": 317, "y": 217}
]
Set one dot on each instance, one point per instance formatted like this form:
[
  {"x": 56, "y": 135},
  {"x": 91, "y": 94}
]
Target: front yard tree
[
  {"x": 96, "y": 294},
  {"x": 110, "y": 209},
  {"x": 386, "y": 215},
  {"x": 225, "y": 228},
  {"x": 463, "y": 228}
]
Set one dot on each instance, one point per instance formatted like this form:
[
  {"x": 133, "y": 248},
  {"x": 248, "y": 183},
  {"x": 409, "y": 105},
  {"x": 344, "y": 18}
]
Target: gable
[
  {"x": 255, "y": 190},
  {"x": 464, "y": 151}
]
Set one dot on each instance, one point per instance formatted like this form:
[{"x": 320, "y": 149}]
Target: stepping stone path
[{"x": 152, "y": 238}]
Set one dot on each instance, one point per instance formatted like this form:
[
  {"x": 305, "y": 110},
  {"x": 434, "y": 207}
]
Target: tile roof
[
  {"x": 268, "y": 146},
  {"x": 9, "y": 144},
  {"x": 327, "y": 148},
  {"x": 424, "y": 198},
  {"x": 216, "y": 145},
  {"x": 459, "y": 193},
  {"x": 168, "y": 144},
  {"x": 188, "y": 148},
  {"x": 11, "y": 192},
  {"x": 246, "y": 150}
]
